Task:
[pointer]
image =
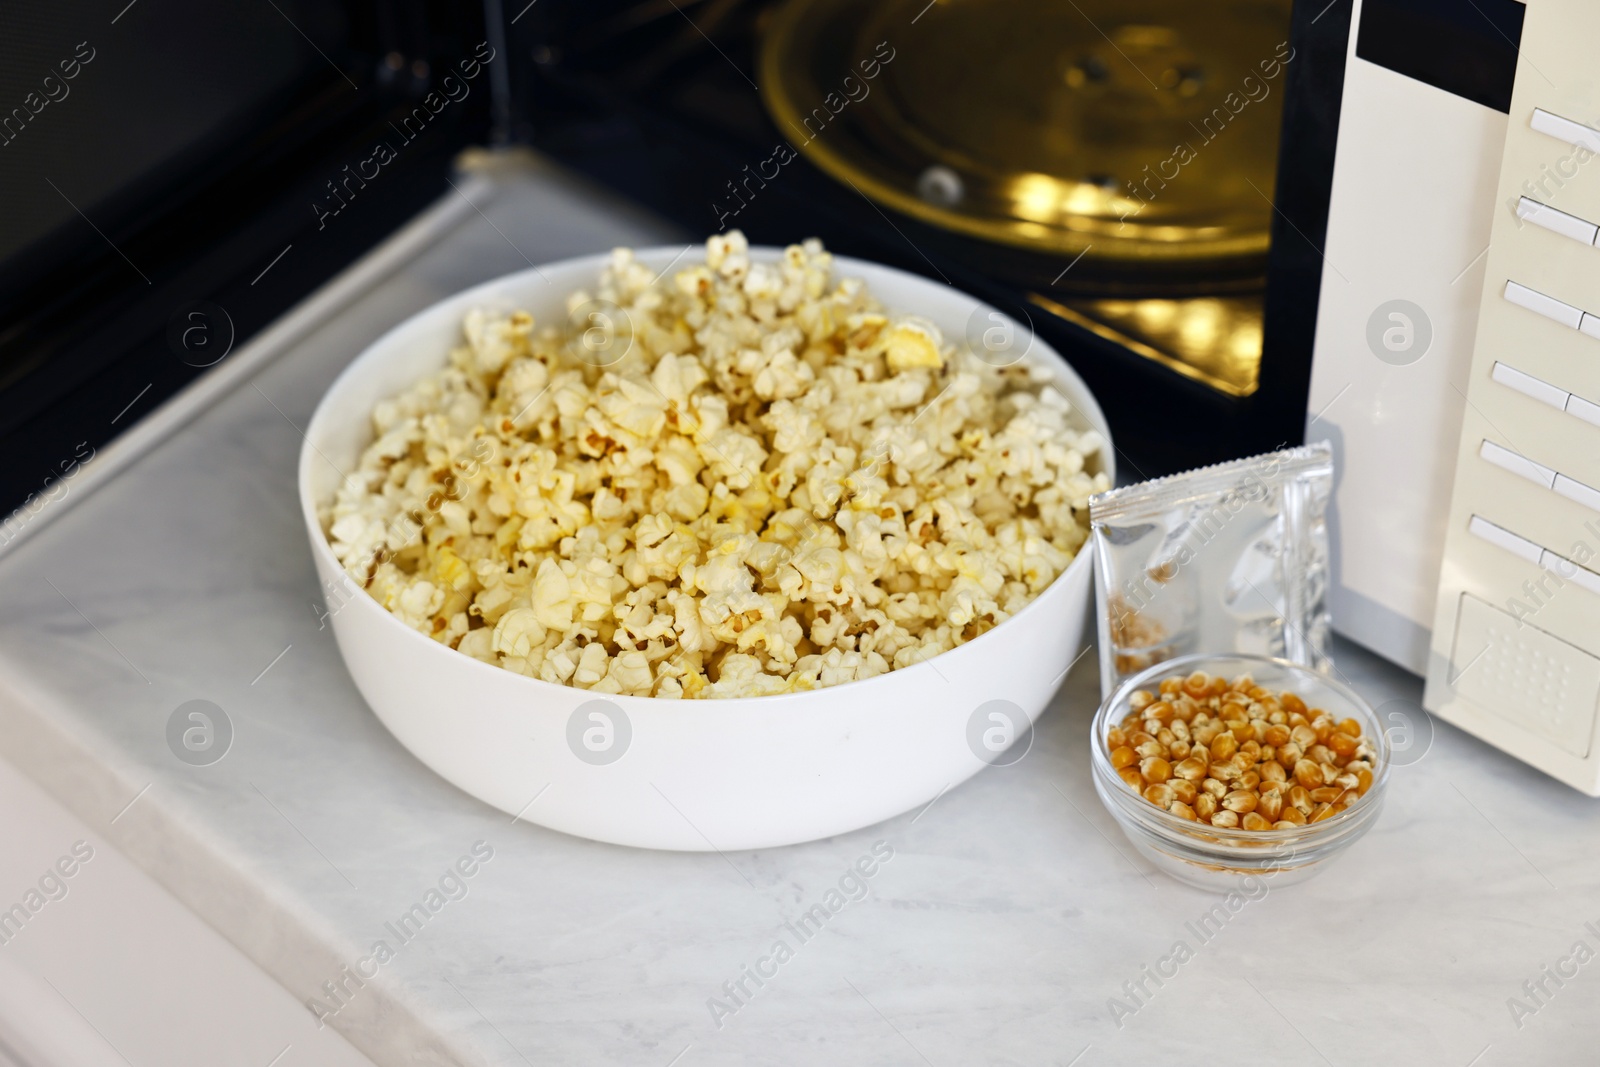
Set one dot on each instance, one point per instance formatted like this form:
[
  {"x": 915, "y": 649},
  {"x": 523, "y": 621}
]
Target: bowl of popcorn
[
  {"x": 705, "y": 548},
  {"x": 1221, "y": 768}
]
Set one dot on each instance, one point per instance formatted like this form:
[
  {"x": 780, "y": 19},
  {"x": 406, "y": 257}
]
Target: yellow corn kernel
[
  {"x": 1300, "y": 799},
  {"x": 1308, "y": 774},
  {"x": 1160, "y": 795},
  {"x": 1323, "y": 811},
  {"x": 1192, "y": 769},
  {"x": 1224, "y": 748},
  {"x": 1142, "y": 698},
  {"x": 1292, "y": 704},
  {"x": 1363, "y": 781},
  {"x": 1183, "y": 789},
  {"x": 1241, "y": 801},
  {"x": 1115, "y": 738},
  {"x": 1273, "y": 772},
  {"x": 1205, "y": 805},
  {"x": 1270, "y": 805},
  {"x": 1155, "y": 769},
  {"x": 1123, "y": 757},
  {"x": 1226, "y": 819},
  {"x": 1350, "y": 728},
  {"x": 1183, "y": 811},
  {"x": 1214, "y": 788},
  {"x": 1132, "y": 777},
  {"x": 1252, "y": 821}
]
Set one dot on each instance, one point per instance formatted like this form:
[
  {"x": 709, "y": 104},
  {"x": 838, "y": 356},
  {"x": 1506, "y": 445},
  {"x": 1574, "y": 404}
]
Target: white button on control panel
[
  {"x": 1521, "y": 466},
  {"x": 1562, "y": 567},
  {"x": 1557, "y": 221},
  {"x": 1548, "y": 306},
  {"x": 1575, "y": 490},
  {"x": 1528, "y": 385},
  {"x": 1583, "y": 409},
  {"x": 1503, "y": 538},
  {"x": 1575, "y": 133}
]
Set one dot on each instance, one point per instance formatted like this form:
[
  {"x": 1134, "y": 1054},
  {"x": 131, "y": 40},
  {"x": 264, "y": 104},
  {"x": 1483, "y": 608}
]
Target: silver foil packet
[{"x": 1230, "y": 558}]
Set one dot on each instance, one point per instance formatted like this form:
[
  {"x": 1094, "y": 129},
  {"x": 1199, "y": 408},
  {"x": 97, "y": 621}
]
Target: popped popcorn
[{"x": 753, "y": 480}]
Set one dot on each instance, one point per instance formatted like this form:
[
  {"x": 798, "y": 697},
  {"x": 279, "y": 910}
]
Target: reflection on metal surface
[
  {"x": 1142, "y": 131},
  {"x": 1215, "y": 340}
]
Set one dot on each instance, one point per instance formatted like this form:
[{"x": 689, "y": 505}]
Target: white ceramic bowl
[{"x": 692, "y": 775}]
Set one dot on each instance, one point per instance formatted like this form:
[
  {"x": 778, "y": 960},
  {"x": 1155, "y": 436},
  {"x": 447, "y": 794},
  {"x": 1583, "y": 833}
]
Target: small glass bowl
[{"x": 1221, "y": 859}]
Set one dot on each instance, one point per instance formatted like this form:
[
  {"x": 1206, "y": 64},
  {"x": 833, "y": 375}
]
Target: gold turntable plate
[{"x": 1138, "y": 133}]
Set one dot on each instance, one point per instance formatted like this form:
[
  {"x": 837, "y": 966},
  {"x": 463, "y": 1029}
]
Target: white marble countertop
[{"x": 1010, "y": 915}]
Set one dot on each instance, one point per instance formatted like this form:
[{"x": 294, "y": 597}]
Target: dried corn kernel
[
  {"x": 1308, "y": 774},
  {"x": 1155, "y": 769},
  {"x": 1240, "y": 800}
]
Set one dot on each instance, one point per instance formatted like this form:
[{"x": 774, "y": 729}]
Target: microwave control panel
[{"x": 1515, "y": 653}]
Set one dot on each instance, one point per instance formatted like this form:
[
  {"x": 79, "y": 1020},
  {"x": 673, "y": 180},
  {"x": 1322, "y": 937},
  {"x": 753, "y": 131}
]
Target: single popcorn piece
[
  {"x": 913, "y": 343},
  {"x": 778, "y": 486}
]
